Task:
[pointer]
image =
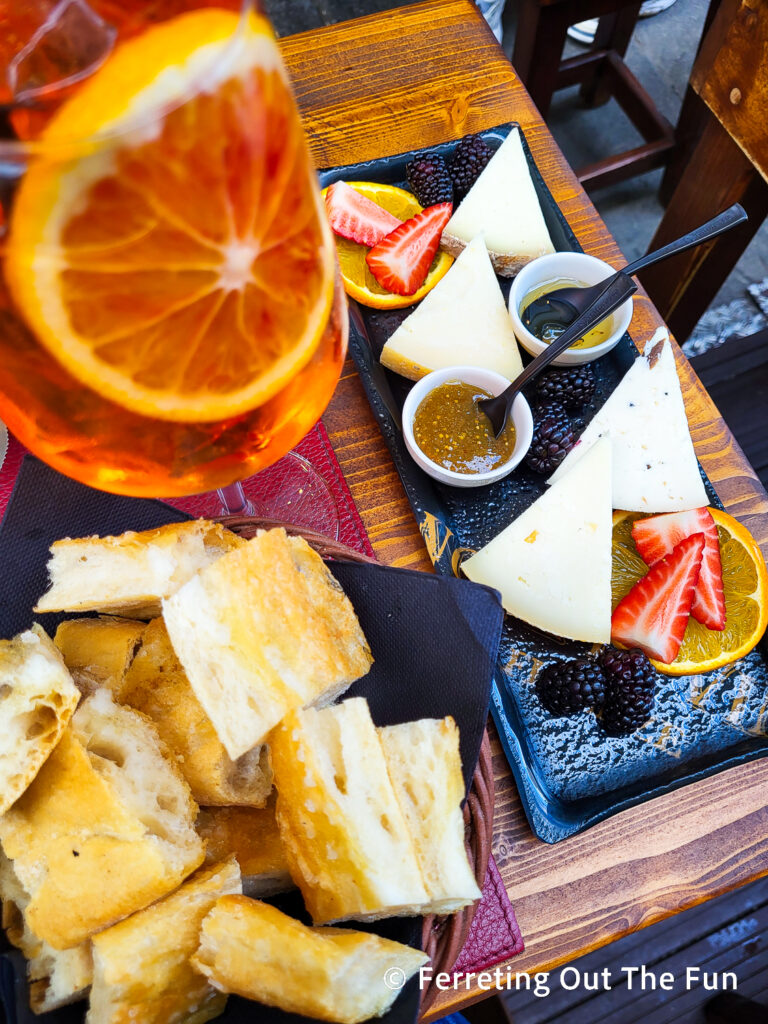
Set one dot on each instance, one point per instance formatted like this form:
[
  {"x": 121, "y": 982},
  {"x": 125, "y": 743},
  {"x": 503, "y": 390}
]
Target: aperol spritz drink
[{"x": 171, "y": 318}]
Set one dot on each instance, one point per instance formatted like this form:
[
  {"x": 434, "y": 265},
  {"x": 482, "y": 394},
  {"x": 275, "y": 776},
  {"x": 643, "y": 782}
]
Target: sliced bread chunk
[
  {"x": 265, "y": 629},
  {"x": 425, "y": 768},
  {"x": 130, "y": 574},
  {"x": 56, "y": 977},
  {"x": 141, "y": 965},
  {"x": 157, "y": 685},
  {"x": 106, "y": 827},
  {"x": 98, "y": 652},
  {"x": 463, "y": 321},
  {"x": 345, "y": 836},
  {"x": 37, "y": 699},
  {"x": 331, "y": 974},
  {"x": 252, "y": 835},
  {"x": 502, "y": 206}
]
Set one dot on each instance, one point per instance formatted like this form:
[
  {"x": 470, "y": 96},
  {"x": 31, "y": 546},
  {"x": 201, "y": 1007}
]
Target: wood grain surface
[{"x": 414, "y": 77}]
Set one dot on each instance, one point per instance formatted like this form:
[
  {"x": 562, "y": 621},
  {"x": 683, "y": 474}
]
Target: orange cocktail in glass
[{"x": 170, "y": 315}]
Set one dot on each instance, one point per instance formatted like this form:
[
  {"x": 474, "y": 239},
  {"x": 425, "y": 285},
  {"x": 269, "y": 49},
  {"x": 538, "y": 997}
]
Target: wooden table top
[{"x": 414, "y": 77}]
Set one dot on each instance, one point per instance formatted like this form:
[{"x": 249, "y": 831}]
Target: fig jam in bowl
[
  {"x": 565, "y": 270},
  {"x": 451, "y": 439}
]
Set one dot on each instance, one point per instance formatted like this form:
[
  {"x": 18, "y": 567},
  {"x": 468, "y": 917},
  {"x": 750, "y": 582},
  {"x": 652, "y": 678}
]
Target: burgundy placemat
[{"x": 494, "y": 935}]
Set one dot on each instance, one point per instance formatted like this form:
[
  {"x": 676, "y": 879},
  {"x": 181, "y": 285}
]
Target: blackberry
[
  {"x": 553, "y": 438},
  {"x": 565, "y": 687},
  {"x": 572, "y": 387},
  {"x": 429, "y": 179},
  {"x": 630, "y": 684},
  {"x": 468, "y": 161}
]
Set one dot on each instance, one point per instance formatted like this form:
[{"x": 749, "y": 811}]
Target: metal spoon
[
  {"x": 611, "y": 293},
  {"x": 558, "y": 308}
]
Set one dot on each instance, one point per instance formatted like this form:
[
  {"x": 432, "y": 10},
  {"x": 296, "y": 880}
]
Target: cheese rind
[
  {"x": 504, "y": 207},
  {"x": 654, "y": 464},
  {"x": 552, "y": 565},
  {"x": 463, "y": 321}
]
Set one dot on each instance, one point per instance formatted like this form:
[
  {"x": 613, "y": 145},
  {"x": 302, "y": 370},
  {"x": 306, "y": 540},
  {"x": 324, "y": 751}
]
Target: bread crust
[
  {"x": 130, "y": 574},
  {"x": 98, "y": 652},
  {"x": 261, "y": 631},
  {"x": 252, "y": 836},
  {"x": 157, "y": 685},
  {"x": 331, "y": 974},
  {"x": 37, "y": 699},
  {"x": 141, "y": 965},
  {"x": 90, "y": 840}
]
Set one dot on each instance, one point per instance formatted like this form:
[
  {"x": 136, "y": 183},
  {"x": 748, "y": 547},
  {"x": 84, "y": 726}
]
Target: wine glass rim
[{"x": 20, "y": 149}]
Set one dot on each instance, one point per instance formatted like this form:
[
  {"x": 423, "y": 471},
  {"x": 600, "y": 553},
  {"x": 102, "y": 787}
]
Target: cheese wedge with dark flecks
[
  {"x": 654, "y": 464},
  {"x": 552, "y": 565},
  {"x": 463, "y": 321},
  {"x": 503, "y": 206}
]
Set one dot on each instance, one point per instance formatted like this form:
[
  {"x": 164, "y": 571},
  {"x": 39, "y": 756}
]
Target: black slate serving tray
[{"x": 569, "y": 774}]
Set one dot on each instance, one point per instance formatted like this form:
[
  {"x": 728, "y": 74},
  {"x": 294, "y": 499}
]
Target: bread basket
[{"x": 442, "y": 937}]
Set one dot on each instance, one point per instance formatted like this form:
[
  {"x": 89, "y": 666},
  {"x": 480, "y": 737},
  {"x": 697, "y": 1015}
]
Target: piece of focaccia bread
[
  {"x": 98, "y": 652},
  {"x": 141, "y": 965},
  {"x": 37, "y": 699},
  {"x": 425, "y": 768},
  {"x": 252, "y": 835},
  {"x": 157, "y": 685},
  {"x": 130, "y": 574},
  {"x": 105, "y": 828},
  {"x": 263, "y": 630},
  {"x": 56, "y": 977},
  {"x": 345, "y": 837},
  {"x": 331, "y": 974}
]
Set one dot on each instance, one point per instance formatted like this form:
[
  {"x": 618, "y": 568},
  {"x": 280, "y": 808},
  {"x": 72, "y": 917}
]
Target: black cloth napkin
[{"x": 434, "y": 641}]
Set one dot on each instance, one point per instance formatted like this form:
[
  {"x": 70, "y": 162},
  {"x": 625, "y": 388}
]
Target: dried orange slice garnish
[
  {"x": 181, "y": 265},
  {"x": 359, "y": 282},
  {"x": 745, "y": 585}
]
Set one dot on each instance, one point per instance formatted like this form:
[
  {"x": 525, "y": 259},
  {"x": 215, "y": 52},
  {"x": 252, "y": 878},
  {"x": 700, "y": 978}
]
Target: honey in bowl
[
  {"x": 452, "y": 431},
  {"x": 549, "y": 325}
]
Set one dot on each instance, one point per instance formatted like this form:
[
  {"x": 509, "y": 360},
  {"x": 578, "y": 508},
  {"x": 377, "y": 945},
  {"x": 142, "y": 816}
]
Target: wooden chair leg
[
  {"x": 717, "y": 175},
  {"x": 691, "y": 123},
  {"x": 614, "y": 32},
  {"x": 540, "y": 30}
]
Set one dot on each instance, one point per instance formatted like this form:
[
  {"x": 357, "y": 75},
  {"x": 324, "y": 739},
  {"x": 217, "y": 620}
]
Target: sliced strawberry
[
  {"x": 402, "y": 260},
  {"x": 654, "y": 614},
  {"x": 658, "y": 535},
  {"x": 353, "y": 216}
]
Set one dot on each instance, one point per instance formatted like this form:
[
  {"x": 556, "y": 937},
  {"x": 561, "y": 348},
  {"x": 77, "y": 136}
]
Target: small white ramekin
[
  {"x": 494, "y": 384},
  {"x": 579, "y": 267}
]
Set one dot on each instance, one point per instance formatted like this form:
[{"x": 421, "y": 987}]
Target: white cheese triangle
[
  {"x": 552, "y": 565},
  {"x": 462, "y": 321},
  {"x": 654, "y": 464},
  {"x": 503, "y": 206}
]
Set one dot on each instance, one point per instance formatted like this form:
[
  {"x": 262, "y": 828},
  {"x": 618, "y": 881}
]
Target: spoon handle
[
  {"x": 703, "y": 233},
  {"x": 618, "y": 289}
]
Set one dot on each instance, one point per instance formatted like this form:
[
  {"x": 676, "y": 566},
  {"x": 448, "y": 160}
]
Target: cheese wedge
[
  {"x": 463, "y": 321},
  {"x": 503, "y": 206},
  {"x": 654, "y": 464},
  {"x": 552, "y": 565}
]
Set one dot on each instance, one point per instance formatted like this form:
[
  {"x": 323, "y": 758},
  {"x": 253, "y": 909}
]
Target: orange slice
[
  {"x": 359, "y": 282},
  {"x": 182, "y": 266},
  {"x": 745, "y": 583}
]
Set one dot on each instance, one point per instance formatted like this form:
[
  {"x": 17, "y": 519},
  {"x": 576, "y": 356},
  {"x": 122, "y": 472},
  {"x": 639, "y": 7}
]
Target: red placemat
[{"x": 494, "y": 935}]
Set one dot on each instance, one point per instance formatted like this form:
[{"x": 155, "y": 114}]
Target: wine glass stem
[{"x": 234, "y": 501}]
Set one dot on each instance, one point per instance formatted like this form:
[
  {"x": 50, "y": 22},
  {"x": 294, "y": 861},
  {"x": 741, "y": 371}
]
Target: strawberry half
[
  {"x": 353, "y": 216},
  {"x": 654, "y": 614},
  {"x": 658, "y": 535},
  {"x": 402, "y": 260}
]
